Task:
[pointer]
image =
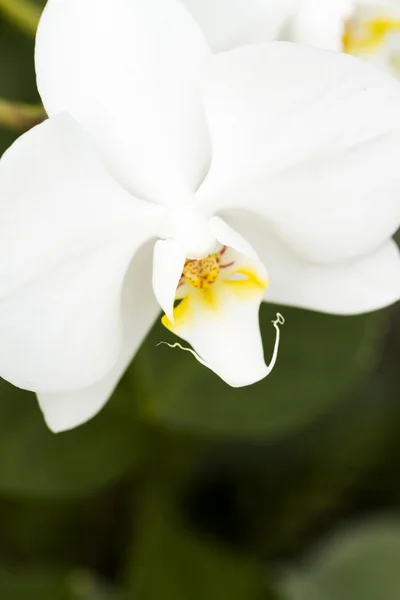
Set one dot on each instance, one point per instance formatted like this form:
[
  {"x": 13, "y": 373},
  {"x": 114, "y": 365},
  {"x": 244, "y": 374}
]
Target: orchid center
[
  {"x": 190, "y": 228},
  {"x": 218, "y": 299},
  {"x": 202, "y": 273},
  {"x": 207, "y": 282},
  {"x": 374, "y": 37}
]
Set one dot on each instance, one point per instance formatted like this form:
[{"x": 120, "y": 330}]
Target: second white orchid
[
  {"x": 368, "y": 29},
  {"x": 165, "y": 176}
]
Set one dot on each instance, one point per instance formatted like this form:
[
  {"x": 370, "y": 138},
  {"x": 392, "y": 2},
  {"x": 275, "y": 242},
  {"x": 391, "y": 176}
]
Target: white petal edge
[
  {"x": 68, "y": 410},
  {"x": 231, "y": 23},
  {"x": 168, "y": 262},
  {"x": 309, "y": 140},
  {"x": 355, "y": 287},
  {"x": 126, "y": 71},
  {"x": 67, "y": 235},
  {"x": 243, "y": 376},
  {"x": 321, "y": 23},
  {"x": 232, "y": 239}
]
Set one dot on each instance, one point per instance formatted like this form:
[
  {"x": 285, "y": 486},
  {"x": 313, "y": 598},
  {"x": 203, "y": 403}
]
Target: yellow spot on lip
[
  {"x": 251, "y": 281},
  {"x": 182, "y": 314}
]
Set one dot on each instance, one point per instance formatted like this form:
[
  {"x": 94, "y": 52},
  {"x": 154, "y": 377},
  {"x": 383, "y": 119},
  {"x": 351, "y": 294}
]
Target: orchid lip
[{"x": 216, "y": 311}]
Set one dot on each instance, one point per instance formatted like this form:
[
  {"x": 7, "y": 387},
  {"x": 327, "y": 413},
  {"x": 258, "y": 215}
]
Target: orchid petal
[
  {"x": 321, "y": 23},
  {"x": 168, "y": 263},
  {"x": 66, "y": 410},
  {"x": 353, "y": 287},
  {"x": 360, "y": 286},
  {"x": 68, "y": 233},
  {"x": 309, "y": 140},
  {"x": 125, "y": 70},
  {"x": 230, "y": 23},
  {"x": 233, "y": 240}
]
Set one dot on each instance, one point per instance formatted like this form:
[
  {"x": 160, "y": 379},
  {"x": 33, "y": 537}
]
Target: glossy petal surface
[
  {"x": 309, "y": 140},
  {"x": 357, "y": 286},
  {"x": 68, "y": 233},
  {"x": 66, "y": 410},
  {"x": 230, "y": 23},
  {"x": 126, "y": 70}
]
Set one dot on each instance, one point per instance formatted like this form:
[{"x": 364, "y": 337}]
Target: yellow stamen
[
  {"x": 202, "y": 273},
  {"x": 210, "y": 283}
]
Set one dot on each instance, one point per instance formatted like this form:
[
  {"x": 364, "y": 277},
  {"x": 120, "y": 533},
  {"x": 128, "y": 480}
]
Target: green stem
[
  {"x": 18, "y": 116},
  {"x": 24, "y": 14}
]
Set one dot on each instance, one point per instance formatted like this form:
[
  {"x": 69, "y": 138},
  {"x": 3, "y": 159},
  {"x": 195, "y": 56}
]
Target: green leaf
[
  {"x": 322, "y": 357},
  {"x": 35, "y": 585},
  {"x": 17, "y": 75},
  {"x": 171, "y": 562},
  {"x": 23, "y": 14},
  {"x": 42, "y": 584},
  {"x": 37, "y": 462},
  {"x": 298, "y": 588},
  {"x": 362, "y": 564}
]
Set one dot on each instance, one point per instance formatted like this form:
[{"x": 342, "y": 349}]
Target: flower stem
[
  {"x": 20, "y": 117},
  {"x": 24, "y": 14}
]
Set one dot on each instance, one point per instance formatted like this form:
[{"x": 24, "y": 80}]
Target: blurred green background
[{"x": 183, "y": 488}]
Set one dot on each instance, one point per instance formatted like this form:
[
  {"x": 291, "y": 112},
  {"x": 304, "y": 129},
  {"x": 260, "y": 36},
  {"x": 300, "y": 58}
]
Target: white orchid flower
[
  {"x": 369, "y": 29},
  {"x": 269, "y": 157},
  {"x": 373, "y": 33}
]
